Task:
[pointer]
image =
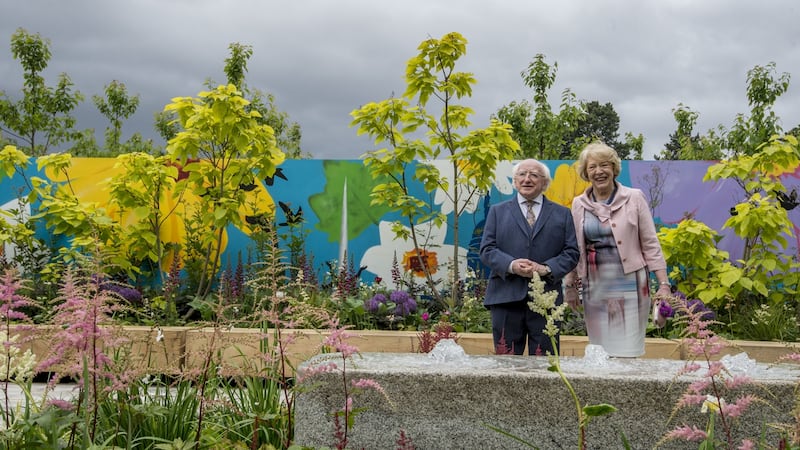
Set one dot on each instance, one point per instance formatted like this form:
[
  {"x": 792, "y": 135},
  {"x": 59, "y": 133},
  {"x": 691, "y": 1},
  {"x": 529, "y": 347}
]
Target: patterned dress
[{"x": 616, "y": 305}]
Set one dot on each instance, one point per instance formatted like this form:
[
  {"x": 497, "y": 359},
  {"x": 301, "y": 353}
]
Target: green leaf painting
[{"x": 327, "y": 205}]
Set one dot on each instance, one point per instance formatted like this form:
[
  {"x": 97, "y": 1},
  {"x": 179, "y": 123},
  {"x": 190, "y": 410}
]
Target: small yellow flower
[{"x": 712, "y": 403}]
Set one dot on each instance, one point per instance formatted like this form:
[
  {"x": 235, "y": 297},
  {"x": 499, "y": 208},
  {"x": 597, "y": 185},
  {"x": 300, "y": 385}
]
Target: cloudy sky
[{"x": 324, "y": 58}]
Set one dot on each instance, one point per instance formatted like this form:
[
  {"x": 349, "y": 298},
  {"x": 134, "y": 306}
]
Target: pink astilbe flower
[
  {"x": 736, "y": 408},
  {"x": 747, "y": 444},
  {"x": 690, "y": 367},
  {"x": 366, "y": 383},
  {"x": 317, "y": 369},
  {"x": 715, "y": 368},
  {"x": 737, "y": 381},
  {"x": 338, "y": 337},
  {"x": 10, "y": 301},
  {"x": 348, "y": 405},
  {"x": 80, "y": 339},
  {"x": 699, "y": 385},
  {"x": 688, "y": 399},
  {"x": 791, "y": 357},
  {"x": 715, "y": 381},
  {"x": 687, "y": 433},
  {"x": 61, "y": 404}
]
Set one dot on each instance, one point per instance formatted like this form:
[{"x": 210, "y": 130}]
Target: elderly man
[{"x": 525, "y": 234}]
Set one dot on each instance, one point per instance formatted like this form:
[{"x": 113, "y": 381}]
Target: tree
[
  {"x": 222, "y": 145},
  {"x": 685, "y": 144},
  {"x": 601, "y": 122},
  {"x": 540, "y": 132},
  {"x": 767, "y": 272},
  {"x": 794, "y": 131},
  {"x": 42, "y": 119},
  {"x": 632, "y": 147},
  {"x": 287, "y": 134},
  {"x": 472, "y": 157},
  {"x": 142, "y": 191},
  {"x": 748, "y": 134},
  {"x": 116, "y": 106}
]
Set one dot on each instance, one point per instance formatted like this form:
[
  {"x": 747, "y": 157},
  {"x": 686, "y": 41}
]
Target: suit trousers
[{"x": 514, "y": 325}]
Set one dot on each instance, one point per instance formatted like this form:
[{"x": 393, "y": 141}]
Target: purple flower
[
  {"x": 405, "y": 308},
  {"x": 665, "y": 310},
  {"x": 372, "y": 305},
  {"x": 697, "y": 306},
  {"x": 398, "y": 297},
  {"x": 404, "y": 303},
  {"x": 128, "y": 293}
]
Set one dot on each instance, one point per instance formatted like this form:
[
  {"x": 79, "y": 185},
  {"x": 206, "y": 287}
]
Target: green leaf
[
  {"x": 729, "y": 275},
  {"x": 601, "y": 409},
  {"x": 362, "y": 211},
  {"x": 219, "y": 213}
]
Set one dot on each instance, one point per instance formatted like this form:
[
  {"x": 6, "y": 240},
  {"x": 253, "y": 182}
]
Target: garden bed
[{"x": 176, "y": 349}]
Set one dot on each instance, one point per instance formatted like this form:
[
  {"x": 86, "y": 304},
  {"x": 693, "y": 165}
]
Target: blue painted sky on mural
[{"x": 322, "y": 59}]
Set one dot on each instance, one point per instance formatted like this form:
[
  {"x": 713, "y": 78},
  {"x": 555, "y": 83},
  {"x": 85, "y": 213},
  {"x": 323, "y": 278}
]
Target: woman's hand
[{"x": 664, "y": 290}]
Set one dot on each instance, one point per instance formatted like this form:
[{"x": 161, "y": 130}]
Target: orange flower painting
[{"x": 416, "y": 260}]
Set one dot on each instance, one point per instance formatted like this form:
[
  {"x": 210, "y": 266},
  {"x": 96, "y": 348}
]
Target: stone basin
[{"x": 449, "y": 400}]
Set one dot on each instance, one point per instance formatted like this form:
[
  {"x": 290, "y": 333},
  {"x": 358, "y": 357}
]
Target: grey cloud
[{"x": 322, "y": 59}]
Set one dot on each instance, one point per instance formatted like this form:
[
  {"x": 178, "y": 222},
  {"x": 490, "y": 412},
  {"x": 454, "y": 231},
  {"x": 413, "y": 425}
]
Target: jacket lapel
[
  {"x": 544, "y": 214},
  {"x": 516, "y": 213}
]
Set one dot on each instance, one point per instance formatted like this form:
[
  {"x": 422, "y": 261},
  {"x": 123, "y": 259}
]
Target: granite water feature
[{"x": 447, "y": 400}]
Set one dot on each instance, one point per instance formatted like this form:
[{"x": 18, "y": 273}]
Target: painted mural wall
[{"x": 333, "y": 199}]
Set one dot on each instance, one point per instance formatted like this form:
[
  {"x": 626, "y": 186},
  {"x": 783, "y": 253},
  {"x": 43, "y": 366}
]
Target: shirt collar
[{"x": 536, "y": 201}]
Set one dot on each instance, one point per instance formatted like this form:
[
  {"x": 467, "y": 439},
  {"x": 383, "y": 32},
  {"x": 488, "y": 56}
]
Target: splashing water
[
  {"x": 595, "y": 356},
  {"x": 739, "y": 363},
  {"x": 447, "y": 350}
]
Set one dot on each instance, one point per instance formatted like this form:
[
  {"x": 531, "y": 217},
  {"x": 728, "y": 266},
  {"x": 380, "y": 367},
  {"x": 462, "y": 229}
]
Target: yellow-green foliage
[
  {"x": 766, "y": 272},
  {"x": 474, "y": 154}
]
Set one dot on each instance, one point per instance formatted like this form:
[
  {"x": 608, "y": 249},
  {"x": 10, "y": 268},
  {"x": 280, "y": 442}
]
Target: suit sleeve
[
  {"x": 567, "y": 259},
  {"x": 491, "y": 255}
]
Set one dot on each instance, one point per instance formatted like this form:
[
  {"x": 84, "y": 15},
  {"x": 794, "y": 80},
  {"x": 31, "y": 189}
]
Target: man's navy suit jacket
[{"x": 507, "y": 236}]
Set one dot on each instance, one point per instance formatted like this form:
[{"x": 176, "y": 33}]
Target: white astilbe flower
[
  {"x": 544, "y": 303},
  {"x": 14, "y": 362}
]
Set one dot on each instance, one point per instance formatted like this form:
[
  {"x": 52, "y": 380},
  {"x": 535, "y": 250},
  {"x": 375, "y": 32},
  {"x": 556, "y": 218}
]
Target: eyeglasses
[
  {"x": 601, "y": 166},
  {"x": 523, "y": 175}
]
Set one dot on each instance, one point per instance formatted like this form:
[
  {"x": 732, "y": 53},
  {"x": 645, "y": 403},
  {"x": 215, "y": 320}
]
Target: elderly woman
[{"x": 618, "y": 249}]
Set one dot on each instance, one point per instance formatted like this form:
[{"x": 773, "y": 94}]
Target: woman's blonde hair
[{"x": 599, "y": 152}]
